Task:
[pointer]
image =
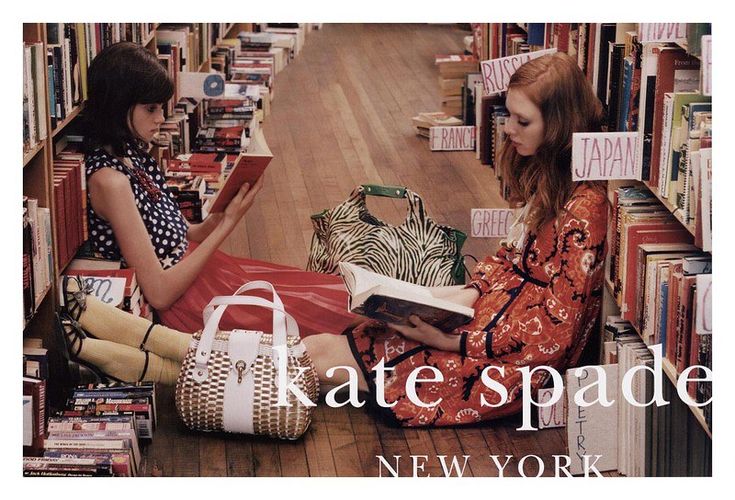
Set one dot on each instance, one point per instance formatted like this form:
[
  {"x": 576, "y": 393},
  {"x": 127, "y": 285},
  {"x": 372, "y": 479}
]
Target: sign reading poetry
[
  {"x": 605, "y": 156},
  {"x": 496, "y": 73},
  {"x": 662, "y": 32},
  {"x": 452, "y": 138},
  {"x": 592, "y": 430},
  {"x": 707, "y": 65},
  {"x": 491, "y": 222}
]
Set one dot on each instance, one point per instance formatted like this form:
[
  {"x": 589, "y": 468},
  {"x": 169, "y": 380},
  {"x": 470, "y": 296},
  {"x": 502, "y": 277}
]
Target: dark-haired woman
[{"x": 133, "y": 216}]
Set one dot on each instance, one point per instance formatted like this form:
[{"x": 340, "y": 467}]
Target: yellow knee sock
[
  {"x": 127, "y": 363},
  {"x": 113, "y": 324}
]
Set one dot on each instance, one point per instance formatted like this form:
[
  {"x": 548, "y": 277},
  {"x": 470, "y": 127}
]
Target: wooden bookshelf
[{"x": 31, "y": 153}]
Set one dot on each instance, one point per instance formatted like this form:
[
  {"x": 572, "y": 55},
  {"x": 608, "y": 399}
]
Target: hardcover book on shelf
[{"x": 393, "y": 301}]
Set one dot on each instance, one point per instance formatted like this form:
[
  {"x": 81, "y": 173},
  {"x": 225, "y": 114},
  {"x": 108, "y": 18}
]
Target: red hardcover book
[
  {"x": 670, "y": 60},
  {"x": 60, "y": 218},
  {"x": 73, "y": 175},
  {"x": 199, "y": 163},
  {"x": 248, "y": 168},
  {"x": 639, "y": 234}
]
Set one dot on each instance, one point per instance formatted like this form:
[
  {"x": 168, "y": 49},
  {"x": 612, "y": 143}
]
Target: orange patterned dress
[{"x": 537, "y": 306}]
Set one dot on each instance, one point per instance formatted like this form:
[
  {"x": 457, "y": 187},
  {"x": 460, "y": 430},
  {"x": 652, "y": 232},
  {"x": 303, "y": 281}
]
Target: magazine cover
[{"x": 553, "y": 178}]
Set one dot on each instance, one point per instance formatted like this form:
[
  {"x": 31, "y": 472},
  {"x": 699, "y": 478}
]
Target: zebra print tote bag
[{"x": 419, "y": 250}]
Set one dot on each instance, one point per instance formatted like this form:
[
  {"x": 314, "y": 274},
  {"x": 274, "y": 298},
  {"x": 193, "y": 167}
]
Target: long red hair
[{"x": 568, "y": 104}]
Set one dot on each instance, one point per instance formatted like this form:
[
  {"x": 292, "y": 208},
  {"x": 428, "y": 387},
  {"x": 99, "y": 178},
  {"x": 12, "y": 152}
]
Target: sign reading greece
[
  {"x": 707, "y": 65},
  {"x": 491, "y": 222},
  {"x": 496, "y": 73},
  {"x": 452, "y": 138},
  {"x": 605, "y": 156},
  {"x": 201, "y": 85},
  {"x": 662, "y": 32}
]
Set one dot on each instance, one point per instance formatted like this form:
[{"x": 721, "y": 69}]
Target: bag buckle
[{"x": 242, "y": 368}]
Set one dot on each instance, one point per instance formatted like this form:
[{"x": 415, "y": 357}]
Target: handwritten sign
[
  {"x": 491, "y": 222},
  {"x": 592, "y": 430},
  {"x": 551, "y": 416},
  {"x": 108, "y": 290},
  {"x": 704, "y": 304},
  {"x": 707, "y": 65},
  {"x": 452, "y": 138},
  {"x": 662, "y": 32},
  {"x": 201, "y": 85},
  {"x": 496, "y": 73},
  {"x": 605, "y": 156}
]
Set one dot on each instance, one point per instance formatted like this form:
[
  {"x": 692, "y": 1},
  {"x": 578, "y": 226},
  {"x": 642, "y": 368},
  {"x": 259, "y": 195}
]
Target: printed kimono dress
[{"x": 538, "y": 305}]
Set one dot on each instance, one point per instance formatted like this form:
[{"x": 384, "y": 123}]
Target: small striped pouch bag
[{"x": 246, "y": 381}]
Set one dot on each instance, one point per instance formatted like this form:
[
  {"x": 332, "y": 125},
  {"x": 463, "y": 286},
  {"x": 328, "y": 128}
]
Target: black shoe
[
  {"x": 71, "y": 336},
  {"x": 74, "y": 301}
]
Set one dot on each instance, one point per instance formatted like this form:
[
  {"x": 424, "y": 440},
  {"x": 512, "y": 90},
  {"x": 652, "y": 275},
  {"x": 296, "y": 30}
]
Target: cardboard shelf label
[
  {"x": 605, "y": 156},
  {"x": 491, "y": 222},
  {"x": 496, "y": 73},
  {"x": 452, "y": 138}
]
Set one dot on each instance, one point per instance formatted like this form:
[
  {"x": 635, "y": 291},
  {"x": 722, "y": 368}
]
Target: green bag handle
[{"x": 387, "y": 191}]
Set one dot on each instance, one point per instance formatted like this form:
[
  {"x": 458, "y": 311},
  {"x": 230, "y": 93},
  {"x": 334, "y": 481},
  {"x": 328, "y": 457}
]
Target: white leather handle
[
  {"x": 284, "y": 325},
  {"x": 252, "y": 285}
]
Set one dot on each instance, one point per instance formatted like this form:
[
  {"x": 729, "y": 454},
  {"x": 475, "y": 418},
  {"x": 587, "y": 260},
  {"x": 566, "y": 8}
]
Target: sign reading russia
[
  {"x": 496, "y": 73},
  {"x": 452, "y": 138},
  {"x": 605, "y": 156}
]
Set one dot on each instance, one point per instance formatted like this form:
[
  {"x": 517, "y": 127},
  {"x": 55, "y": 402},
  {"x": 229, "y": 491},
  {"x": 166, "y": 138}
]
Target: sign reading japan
[
  {"x": 452, "y": 138},
  {"x": 662, "y": 32},
  {"x": 605, "y": 156},
  {"x": 496, "y": 73},
  {"x": 201, "y": 85}
]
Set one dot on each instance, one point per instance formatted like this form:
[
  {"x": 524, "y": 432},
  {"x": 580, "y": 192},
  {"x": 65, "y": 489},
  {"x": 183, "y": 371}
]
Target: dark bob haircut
[{"x": 121, "y": 76}]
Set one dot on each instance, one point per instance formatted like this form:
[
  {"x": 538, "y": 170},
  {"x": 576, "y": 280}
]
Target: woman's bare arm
[{"x": 112, "y": 198}]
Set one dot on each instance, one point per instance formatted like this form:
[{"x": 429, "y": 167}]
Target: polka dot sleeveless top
[{"x": 157, "y": 207}]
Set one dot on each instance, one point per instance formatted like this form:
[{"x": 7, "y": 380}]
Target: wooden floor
[{"x": 342, "y": 117}]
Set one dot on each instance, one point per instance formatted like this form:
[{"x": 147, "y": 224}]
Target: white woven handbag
[{"x": 230, "y": 380}]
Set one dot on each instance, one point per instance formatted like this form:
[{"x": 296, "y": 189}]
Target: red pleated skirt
[{"x": 317, "y": 301}]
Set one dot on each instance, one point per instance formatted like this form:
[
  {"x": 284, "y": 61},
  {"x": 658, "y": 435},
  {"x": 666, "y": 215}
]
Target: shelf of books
[
  {"x": 658, "y": 269},
  {"x": 196, "y": 131}
]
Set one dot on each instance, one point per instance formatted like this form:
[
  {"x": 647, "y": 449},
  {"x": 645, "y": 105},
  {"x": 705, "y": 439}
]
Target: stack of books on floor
[
  {"x": 98, "y": 434},
  {"x": 452, "y": 71},
  {"x": 424, "y": 121}
]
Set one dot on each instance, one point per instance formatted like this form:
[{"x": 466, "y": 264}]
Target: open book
[
  {"x": 393, "y": 301},
  {"x": 249, "y": 166}
]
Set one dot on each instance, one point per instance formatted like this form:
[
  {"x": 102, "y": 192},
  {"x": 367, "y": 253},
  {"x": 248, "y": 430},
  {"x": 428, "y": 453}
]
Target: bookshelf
[
  {"x": 38, "y": 171},
  {"x": 501, "y": 40}
]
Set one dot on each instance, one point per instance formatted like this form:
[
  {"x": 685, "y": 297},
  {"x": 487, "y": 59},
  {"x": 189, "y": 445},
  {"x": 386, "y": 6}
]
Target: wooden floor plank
[
  {"x": 239, "y": 453},
  {"x": 318, "y": 449},
  {"x": 367, "y": 439}
]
